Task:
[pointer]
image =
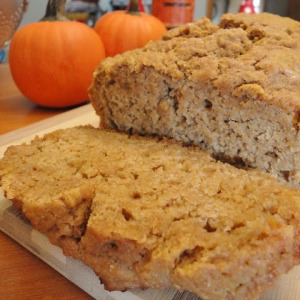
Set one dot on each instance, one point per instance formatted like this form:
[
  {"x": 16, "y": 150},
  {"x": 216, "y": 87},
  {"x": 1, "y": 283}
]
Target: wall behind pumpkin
[{"x": 36, "y": 10}]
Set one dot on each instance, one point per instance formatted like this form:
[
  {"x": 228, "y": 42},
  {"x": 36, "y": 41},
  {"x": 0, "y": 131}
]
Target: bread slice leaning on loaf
[
  {"x": 147, "y": 213},
  {"x": 232, "y": 89}
]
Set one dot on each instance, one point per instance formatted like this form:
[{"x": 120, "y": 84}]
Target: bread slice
[
  {"x": 233, "y": 89},
  {"x": 148, "y": 213}
]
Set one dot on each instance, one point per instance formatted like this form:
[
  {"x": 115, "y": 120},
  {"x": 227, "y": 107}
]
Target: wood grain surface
[{"x": 15, "y": 110}]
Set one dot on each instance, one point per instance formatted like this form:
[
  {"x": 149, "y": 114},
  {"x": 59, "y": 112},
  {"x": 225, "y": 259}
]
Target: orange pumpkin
[
  {"x": 52, "y": 62},
  {"x": 122, "y": 30}
]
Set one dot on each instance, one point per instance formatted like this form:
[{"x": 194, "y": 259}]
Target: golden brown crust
[
  {"x": 242, "y": 49},
  {"x": 147, "y": 213},
  {"x": 232, "y": 89}
]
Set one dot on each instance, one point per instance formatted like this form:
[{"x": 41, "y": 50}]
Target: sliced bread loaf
[{"x": 147, "y": 213}]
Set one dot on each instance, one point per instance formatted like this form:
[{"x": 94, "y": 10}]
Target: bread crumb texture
[
  {"x": 232, "y": 89},
  {"x": 148, "y": 213}
]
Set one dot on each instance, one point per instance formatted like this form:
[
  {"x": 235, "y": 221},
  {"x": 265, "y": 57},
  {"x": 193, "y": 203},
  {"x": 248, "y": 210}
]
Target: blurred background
[{"x": 36, "y": 8}]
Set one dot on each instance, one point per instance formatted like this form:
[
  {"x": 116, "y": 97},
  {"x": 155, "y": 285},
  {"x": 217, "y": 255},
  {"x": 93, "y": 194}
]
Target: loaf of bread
[
  {"x": 148, "y": 213},
  {"x": 233, "y": 89}
]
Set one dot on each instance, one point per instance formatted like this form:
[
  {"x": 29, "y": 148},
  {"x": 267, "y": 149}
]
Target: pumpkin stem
[
  {"x": 134, "y": 7},
  {"x": 55, "y": 11}
]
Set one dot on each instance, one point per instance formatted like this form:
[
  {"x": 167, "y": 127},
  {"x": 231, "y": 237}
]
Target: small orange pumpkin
[
  {"x": 124, "y": 30},
  {"x": 52, "y": 61}
]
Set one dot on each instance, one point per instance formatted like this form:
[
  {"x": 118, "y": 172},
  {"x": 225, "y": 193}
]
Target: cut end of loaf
[{"x": 232, "y": 89}]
